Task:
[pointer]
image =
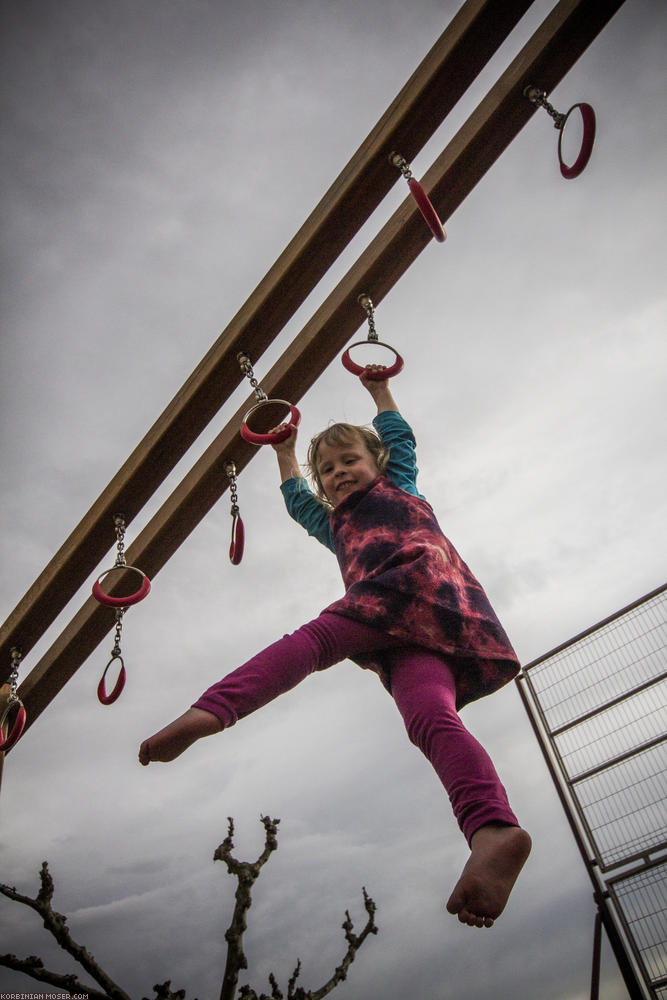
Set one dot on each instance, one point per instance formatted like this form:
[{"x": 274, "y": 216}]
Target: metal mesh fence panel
[
  {"x": 625, "y": 806},
  {"x": 603, "y": 703},
  {"x": 599, "y": 705},
  {"x": 616, "y": 658},
  {"x": 641, "y": 899}
]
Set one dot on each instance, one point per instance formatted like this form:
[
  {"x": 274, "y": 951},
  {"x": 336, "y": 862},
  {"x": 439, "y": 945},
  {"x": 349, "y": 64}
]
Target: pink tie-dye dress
[{"x": 403, "y": 577}]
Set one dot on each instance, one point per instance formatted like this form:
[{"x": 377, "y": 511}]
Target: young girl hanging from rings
[{"x": 412, "y": 611}]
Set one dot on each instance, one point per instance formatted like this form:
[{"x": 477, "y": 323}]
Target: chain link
[
  {"x": 399, "y": 161},
  {"x": 246, "y": 368},
  {"x": 367, "y": 305},
  {"x": 119, "y": 522},
  {"x": 13, "y": 679},
  {"x": 537, "y": 96},
  {"x": 230, "y": 469},
  {"x": 116, "y": 651}
]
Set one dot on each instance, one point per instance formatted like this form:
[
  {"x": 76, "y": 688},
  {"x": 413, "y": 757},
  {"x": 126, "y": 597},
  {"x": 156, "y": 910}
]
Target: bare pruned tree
[{"x": 246, "y": 874}]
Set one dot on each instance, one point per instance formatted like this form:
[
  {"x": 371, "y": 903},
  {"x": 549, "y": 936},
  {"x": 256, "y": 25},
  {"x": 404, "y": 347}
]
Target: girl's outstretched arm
[
  {"x": 379, "y": 389},
  {"x": 299, "y": 499},
  {"x": 286, "y": 454}
]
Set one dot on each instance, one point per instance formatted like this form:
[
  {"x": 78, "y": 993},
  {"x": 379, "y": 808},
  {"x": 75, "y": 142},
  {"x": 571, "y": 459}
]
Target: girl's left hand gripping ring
[{"x": 14, "y": 734}]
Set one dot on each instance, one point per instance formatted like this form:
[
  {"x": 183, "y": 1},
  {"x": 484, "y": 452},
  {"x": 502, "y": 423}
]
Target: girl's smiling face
[{"x": 345, "y": 467}]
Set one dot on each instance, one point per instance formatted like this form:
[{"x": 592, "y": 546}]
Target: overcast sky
[{"x": 157, "y": 157}]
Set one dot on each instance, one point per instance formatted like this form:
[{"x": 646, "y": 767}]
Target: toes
[
  {"x": 454, "y": 904},
  {"x": 145, "y": 753},
  {"x": 473, "y": 919}
]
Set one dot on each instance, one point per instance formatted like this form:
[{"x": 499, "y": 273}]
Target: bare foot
[
  {"x": 180, "y": 734},
  {"x": 498, "y": 853}
]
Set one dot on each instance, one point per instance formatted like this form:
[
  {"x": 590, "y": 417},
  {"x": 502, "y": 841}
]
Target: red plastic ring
[
  {"x": 255, "y": 438},
  {"x": 373, "y": 376},
  {"x": 17, "y": 729},
  {"x": 588, "y": 118},
  {"x": 427, "y": 210},
  {"x": 121, "y": 602},
  {"x": 238, "y": 541},
  {"x": 108, "y": 699}
]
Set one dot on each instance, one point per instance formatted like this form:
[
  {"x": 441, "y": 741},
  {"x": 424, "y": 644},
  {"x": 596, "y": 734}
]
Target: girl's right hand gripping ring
[
  {"x": 14, "y": 734},
  {"x": 588, "y": 119},
  {"x": 255, "y": 438},
  {"x": 378, "y": 376}
]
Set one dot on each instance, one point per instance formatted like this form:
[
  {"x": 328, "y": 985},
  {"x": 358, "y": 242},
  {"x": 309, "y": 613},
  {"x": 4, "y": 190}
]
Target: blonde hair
[{"x": 339, "y": 434}]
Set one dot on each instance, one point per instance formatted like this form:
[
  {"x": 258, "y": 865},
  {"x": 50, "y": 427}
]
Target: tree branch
[
  {"x": 56, "y": 924},
  {"x": 246, "y": 874},
  {"x": 33, "y": 967},
  {"x": 163, "y": 992},
  {"x": 354, "y": 943}
]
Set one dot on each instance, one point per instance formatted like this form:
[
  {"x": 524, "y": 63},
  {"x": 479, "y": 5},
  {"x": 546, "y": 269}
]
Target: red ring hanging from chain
[
  {"x": 237, "y": 544},
  {"x": 255, "y": 437},
  {"x": 423, "y": 201},
  {"x": 13, "y": 734},
  {"x": 378, "y": 376},
  {"x": 351, "y": 366},
  {"x": 238, "y": 531},
  {"x": 588, "y": 138},
  {"x": 121, "y": 602},
  {"x": 539, "y": 97},
  {"x": 14, "y": 702},
  {"x": 109, "y": 699}
]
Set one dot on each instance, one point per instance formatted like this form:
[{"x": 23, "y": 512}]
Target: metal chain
[
  {"x": 116, "y": 651},
  {"x": 13, "y": 679},
  {"x": 246, "y": 368},
  {"x": 119, "y": 522},
  {"x": 230, "y": 469},
  {"x": 399, "y": 161},
  {"x": 537, "y": 96},
  {"x": 367, "y": 305}
]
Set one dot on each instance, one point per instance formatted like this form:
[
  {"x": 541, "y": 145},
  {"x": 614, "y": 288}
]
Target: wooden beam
[
  {"x": 545, "y": 59},
  {"x": 475, "y": 33}
]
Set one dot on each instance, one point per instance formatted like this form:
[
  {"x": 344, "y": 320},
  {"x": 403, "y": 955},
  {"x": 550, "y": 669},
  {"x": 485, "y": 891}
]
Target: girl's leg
[
  {"x": 275, "y": 670},
  {"x": 423, "y": 688}
]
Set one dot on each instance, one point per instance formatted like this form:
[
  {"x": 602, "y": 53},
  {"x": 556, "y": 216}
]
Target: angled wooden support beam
[
  {"x": 563, "y": 37},
  {"x": 475, "y": 33}
]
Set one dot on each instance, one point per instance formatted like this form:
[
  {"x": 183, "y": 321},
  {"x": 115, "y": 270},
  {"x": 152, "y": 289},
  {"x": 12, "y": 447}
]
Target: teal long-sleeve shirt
[{"x": 396, "y": 433}]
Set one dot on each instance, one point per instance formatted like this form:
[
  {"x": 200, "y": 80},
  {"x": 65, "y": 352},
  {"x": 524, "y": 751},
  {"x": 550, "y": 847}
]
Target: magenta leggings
[{"x": 422, "y": 685}]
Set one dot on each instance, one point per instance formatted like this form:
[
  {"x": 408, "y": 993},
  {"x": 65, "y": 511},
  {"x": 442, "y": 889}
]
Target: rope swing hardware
[
  {"x": 116, "y": 654},
  {"x": 238, "y": 531},
  {"x": 121, "y": 564},
  {"x": 539, "y": 98},
  {"x": 263, "y": 401},
  {"x": 366, "y": 304},
  {"x": 120, "y": 604},
  {"x": 14, "y": 703},
  {"x": 423, "y": 201}
]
